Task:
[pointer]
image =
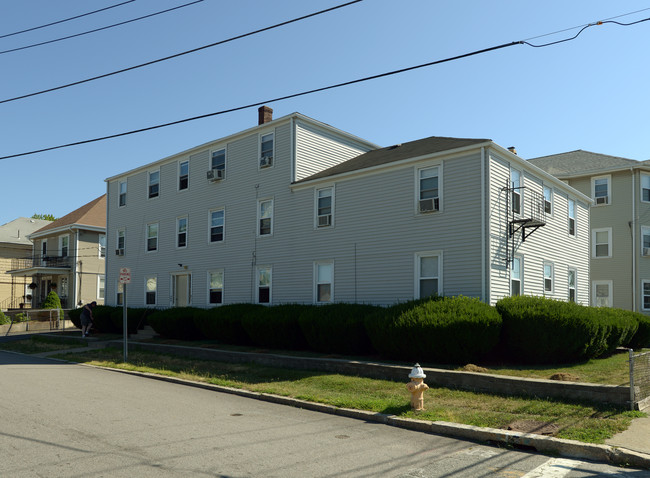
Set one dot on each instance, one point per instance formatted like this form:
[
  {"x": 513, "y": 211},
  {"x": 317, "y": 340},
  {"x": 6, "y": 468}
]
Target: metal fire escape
[{"x": 525, "y": 213}]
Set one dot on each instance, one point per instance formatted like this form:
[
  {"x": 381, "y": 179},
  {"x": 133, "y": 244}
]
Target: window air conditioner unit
[
  {"x": 215, "y": 174},
  {"x": 265, "y": 161},
  {"x": 646, "y": 251},
  {"x": 119, "y": 252},
  {"x": 429, "y": 205},
  {"x": 325, "y": 220},
  {"x": 602, "y": 200}
]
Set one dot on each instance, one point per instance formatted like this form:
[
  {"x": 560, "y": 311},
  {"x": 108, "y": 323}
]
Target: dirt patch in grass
[
  {"x": 470, "y": 367},
  {"x": 565, "y": 377},
  {"x": 534, "y": 426}
]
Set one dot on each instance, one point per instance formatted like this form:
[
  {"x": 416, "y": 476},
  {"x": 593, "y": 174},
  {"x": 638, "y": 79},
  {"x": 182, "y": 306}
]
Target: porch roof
[{"x": 32, "y": 271}]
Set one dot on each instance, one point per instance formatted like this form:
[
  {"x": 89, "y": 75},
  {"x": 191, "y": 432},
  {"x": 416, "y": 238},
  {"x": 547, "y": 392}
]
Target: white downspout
[
  {"x": 484, "y": 296},
  {"x": 634, "y": 255}
]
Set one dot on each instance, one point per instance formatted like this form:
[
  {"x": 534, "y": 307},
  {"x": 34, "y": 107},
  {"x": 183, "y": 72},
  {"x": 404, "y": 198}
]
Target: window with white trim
[
  {"x": 645, "y": 187},
  {"x": 645, "y": 241},
  {"x": 119, "y": 294},
  {"x": 645, "y": 290},
  {"x": 154, "y": 184},
  {"x": 183, "y": 175},
  {"x": 602, "y": 242},
  {"x": 101, "y": 286},
  {"x": 548, "y": 277},
  {"x": 150, "y": 290},
  {"x": 428, "y": 274},
  {"x": 572, "y": 217},
  {"x": 152, "y": 237},
  {"x": 44, "y": 248},
  {"x": 102, "y": 245},
  {"x": 324, "y": 207},
  {"x": 217, "y": 223},
  {"x": 602, "y": 293},
  {"x": 64, "y": 245},
  {"x": 121, "y": 241},
  {"x": 428, "y": 190},
  {"x": 323, "y": 282},
  {"x": 121, "y": 201},
  {"x": 215, "y": 287},
  {"x": 548, "y": 200},
  {"x": 515, "y": 276},
  {"x": 266, "y": 150},
  {"x": 218, "y": 163},
  {"x": 572, "y": 279},
  {"x": 265, "y": 217},
  {"x": 264, "y": 279},
  {"x": 516, "y": 193},
  {"x": 601, "y": 190},
  {"x": 181, "y": 232}
]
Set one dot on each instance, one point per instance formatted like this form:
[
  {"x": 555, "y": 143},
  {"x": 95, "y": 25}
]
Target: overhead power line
[
  {"x": 99, "y": 29},
  {"x": 66, "y": 19},
  {"x": 315, "y": 90},
  {"x": 238, "y": 37}
]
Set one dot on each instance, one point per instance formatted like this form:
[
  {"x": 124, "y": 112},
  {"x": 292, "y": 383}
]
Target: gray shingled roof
[
  {"x": 391, "y": 154},
  {"x": 576, "y": 163},
  {"x": 16, "y": 231}
]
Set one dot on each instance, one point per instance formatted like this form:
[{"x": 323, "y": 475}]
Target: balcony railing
[{"x": 40, "y": 261}]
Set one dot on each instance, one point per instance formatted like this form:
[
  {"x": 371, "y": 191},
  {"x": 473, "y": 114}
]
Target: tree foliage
[{"x": 45, "y": 217}]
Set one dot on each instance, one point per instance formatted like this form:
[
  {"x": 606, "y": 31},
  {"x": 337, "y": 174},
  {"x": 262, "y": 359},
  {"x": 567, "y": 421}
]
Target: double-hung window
[
  {"x": 266, "y": 150},
  {"x": 428, "y": 190},
  {"x": 265, "y": 217},
  {"x": 215, "y": 287},
  {"x": 324, "y": 207},
  {"x": 64, "y": 245},
  {"x": 102, "y": 245},
  {"x": 264, "y": 278},
  {"x": 154, "y": 184},
  {"x": 152, "y": 237},
  {"x": 151, "y": 289},
  {"x": 571, "y": 280},
  {"x": 645, "y": 241},
  {"x": 602, "y": 293},
  {"x": 645, "y": 289},
  {"x": 515, "y": 186},
  {"x": 183, "y": 175},
  {"x": 645, "y": 188},
  {"x": 101, "y": 286},
  {"x": 181, "y": 231},
  {"x": 428, "y": 267},
  {"x": 324, "y": 282},
  {"x": 572, "y": 217},
  {"x": 548, "y": 277},
  {"x": 217, "y": 225},
  {"x": 121, "y": 241},
  {"x": 218, "y": 163},
  {"x": 600, "y": 189},
  {"x": 548, "y": 200},
  {"x": 602, "y": 242},
  {"x": 122, "y": 194},
  {"x": 515, "y": 276}
]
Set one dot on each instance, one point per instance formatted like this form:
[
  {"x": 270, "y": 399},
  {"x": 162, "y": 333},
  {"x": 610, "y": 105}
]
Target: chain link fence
[{"x": 639, "y": 379}]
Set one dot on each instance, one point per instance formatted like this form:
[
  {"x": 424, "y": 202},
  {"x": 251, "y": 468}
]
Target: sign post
[{"x": 125, "y": 278}]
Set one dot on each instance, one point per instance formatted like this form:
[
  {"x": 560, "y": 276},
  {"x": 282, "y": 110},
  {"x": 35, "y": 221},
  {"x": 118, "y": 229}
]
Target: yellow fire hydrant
[{"x": 417, "y": 387}]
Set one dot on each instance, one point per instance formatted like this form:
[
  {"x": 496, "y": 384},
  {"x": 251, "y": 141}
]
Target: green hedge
[
  {"x": 75, "y": 317},
  {"x": 135, "y": 318},
  {"x": 337, "y": 328},
  {"x": 224, "y": 323},
  {"x": 641, "y": 338},
  {"x": 101, "y": 316},
  {"x": 276, "y": 326},
  {"x": 442, "y": 329},
  {"x": 177, "y": 323},
  {"x": 4, "y": 319}
]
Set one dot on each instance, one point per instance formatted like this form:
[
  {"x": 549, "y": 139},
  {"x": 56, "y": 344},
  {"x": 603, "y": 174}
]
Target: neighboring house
[
  {"x": 15, "y": 245},
  {"x": 68, "y": 256},
  {"x": 620, "y": 223},
  {"x": 294, "y": 210}
]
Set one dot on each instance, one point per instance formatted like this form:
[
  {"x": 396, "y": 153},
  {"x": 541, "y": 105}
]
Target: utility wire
[
  {"x": 583, "y": 29},
  {"x": 98, "y": 29},
  {"x": 65, "y": 19},
  {"x": 277, "y": 25},
  {"x": 315, "y": 90}
]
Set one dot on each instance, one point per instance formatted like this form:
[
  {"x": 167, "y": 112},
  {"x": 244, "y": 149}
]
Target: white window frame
[
  {"x": 155, "y": 290},
  {"x": 121, "y": 232},
  {"x": 608, "y": 179},
  {"x": 180, "y": 175},
  {"x": 209, "y": 285},
  {"x": 259, "y": 269},
  {"x": 147, "y": 237},
  {"x": 101, "y": 291},
  {"x": 100, "y": 247},
  {"x": 548, "y": 277},
  {"x": 548, "y": 198},
  {"x": 43, "y": 248},
  {"x": 121, "y": 194},
  {"x": 67, "y": 246},
  {"x": 260, "y": 218},
  {"x": 223, "y": 225},
  {"x": 645, "y": 250},
  {"x": 594, "y": 245},
  {"x": 520, "y": 261},
  {"x": 418, "y": 276},
  {"x": 318, "y": 282},
  {"x": 225, "y": 160},
  {"x": 178, "y": 231},
  {"x": 645, "y": 186},
  {"x": 519, "y": 191},
  {"x": 572, "y": 218},
  {"x": 644, "y": 295},
  {"x": 150, "y": 184},
  {"x": 610, "y": 288},
  {"x": 323, "y": 221},
  {"x": 575, "y": 284},
  {"x": 259, "y": 153},
  {"x": 418, "y": 189}
]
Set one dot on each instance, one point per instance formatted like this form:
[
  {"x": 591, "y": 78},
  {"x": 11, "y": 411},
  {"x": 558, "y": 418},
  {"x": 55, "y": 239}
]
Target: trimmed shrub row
[{"x": 110, "y": 319}]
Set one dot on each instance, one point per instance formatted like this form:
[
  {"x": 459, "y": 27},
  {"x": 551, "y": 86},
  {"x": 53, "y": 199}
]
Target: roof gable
[
  {"x": 92, "y": 214},
  {"x": 16, "y": 231},
  {"x": 580, "y": 162}
]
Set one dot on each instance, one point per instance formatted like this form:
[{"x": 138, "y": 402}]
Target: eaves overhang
[{"x": 66, "y": 228}]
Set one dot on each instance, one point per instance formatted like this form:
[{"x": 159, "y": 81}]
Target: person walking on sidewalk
[{"x": 87, "y": 318}]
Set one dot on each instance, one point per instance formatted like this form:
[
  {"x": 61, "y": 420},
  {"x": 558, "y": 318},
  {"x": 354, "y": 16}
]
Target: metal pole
[
  {"x": 632, "y": 395},
  {"x": 124, "y": 326}
]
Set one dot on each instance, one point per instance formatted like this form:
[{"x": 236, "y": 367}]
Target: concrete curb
[{"x": 543, "y": 444}]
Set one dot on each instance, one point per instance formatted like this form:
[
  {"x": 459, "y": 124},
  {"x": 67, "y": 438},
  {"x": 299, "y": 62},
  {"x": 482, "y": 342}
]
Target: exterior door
[{"x": 182, "y": 290}]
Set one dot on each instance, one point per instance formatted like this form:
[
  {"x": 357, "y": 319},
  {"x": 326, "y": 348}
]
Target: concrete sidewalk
[{"x": 636, "y": 438}]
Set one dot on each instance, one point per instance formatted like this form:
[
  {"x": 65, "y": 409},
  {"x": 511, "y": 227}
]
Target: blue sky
[{"x": 590, "y": 93}]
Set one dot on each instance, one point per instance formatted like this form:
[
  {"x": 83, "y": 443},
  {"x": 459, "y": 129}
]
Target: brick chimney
[
  {"x": 512, "y": 149},
  {"x": 264, "y": 114}
]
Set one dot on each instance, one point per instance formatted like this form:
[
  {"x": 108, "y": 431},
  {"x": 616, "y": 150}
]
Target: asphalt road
[{"x": 65, "y": 420}]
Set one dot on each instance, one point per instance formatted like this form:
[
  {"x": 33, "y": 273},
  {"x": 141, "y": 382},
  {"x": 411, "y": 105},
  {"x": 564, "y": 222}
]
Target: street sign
[{"x": 125, "y": 275}]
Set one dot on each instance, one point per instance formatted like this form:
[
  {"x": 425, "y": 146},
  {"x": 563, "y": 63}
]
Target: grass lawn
[{"x": 39, "y": 344}]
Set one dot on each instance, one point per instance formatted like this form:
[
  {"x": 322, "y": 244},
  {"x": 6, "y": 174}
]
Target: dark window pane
[
  {"x": 152, "y": 244},
  {"x": 151, "y": 298},
  {"x": 182, "y": 239},
  {"x": 183, "y": 182},
  {"x": 515, "y": 287},
  {"x": 324, "y": 292},
  {"x": 428, "y": 287},
  {"x": 215, "y": 296},
  {"x": 264, "y": 295}
]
